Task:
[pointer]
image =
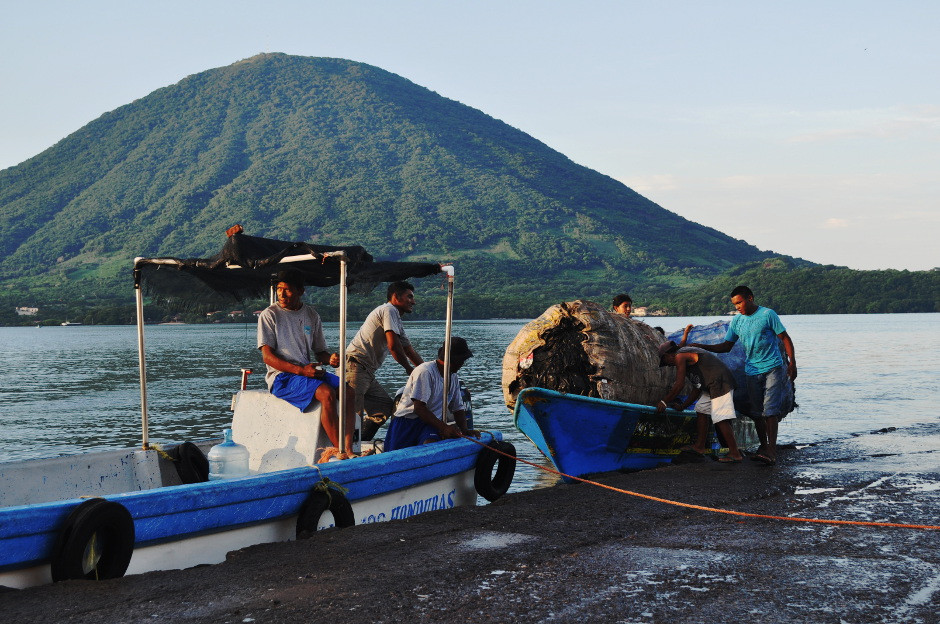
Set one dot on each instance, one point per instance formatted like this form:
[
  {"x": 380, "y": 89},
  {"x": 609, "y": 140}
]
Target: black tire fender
[
  {"x": 191, "y": 463},
  {"x": 488, "y": 485},
  {"x": 318, "y": 503},
  {"x": 95, "y": 542}
]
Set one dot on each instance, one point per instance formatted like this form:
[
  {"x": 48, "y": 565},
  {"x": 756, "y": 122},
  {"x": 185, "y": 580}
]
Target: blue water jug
[{"x": 228, "y": 460}]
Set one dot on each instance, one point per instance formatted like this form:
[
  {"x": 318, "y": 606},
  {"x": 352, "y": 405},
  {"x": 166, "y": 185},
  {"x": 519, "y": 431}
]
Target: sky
[{"x": 808, "y": 128}]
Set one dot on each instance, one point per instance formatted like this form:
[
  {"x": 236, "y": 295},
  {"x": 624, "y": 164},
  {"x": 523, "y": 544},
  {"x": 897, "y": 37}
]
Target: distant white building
[{"x": 27, "y": 311}]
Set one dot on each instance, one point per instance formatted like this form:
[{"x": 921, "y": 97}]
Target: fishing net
[{"x": 578, "y": 347}]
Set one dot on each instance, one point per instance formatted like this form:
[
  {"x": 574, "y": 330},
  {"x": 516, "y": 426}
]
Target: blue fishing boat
[
  {"x": 585, "y": 435},
  {"x": 105, "y": 514}
]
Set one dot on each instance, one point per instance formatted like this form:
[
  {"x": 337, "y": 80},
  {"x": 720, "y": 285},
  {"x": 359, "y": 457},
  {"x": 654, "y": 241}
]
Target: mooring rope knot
[{"x": 325, "y": 484}]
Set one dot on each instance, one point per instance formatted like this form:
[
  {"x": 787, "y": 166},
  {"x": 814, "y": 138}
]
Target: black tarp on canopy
[{"x": 244, "y": 267}]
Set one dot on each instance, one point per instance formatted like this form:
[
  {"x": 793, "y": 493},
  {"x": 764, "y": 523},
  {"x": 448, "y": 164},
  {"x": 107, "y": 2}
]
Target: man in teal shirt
[{"x": 769, "y": 376}]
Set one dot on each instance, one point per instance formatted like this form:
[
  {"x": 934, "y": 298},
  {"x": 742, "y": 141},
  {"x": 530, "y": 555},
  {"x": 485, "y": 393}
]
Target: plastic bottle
[{"x": 228, "y": 460}]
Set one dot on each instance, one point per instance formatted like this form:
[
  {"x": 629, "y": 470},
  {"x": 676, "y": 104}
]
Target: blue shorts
[
  {"x": 771, "y": 393},
  {"x": 405, "y": 432},
  {"x": 298, "y": 390}
]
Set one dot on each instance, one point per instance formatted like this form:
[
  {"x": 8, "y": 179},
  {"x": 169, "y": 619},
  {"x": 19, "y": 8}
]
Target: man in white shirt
[{"x": 418, "y": 419}]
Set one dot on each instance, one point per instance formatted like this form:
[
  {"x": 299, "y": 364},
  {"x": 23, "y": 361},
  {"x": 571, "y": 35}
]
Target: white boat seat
[{"x": 278, "y": 436}]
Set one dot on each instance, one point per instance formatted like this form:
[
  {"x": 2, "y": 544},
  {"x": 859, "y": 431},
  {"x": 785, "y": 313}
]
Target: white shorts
[{"x": 721, "y": 408}]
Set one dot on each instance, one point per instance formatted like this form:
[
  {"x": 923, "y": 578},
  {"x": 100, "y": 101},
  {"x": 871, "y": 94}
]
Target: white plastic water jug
[{"x": 228, "y": 460}]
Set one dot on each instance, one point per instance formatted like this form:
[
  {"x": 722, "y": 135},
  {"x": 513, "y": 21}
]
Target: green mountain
[{"x": 334, "y": 152}]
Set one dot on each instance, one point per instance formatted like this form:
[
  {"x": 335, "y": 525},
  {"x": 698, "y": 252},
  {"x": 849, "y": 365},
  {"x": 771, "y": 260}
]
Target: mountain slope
[{"x": 335, "y": 152}]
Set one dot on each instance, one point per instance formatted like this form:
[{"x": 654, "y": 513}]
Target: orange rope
[{"x": 713, "y": 509}]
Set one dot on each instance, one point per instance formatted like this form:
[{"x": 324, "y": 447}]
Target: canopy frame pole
[
  {"x": 449, "y": 320},
  {"x": 142, "y": 362},
  {"x": 342, "y": 398}
]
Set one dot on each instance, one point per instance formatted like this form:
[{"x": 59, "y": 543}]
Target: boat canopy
[
  {"x": 244, "y": 270},
  {"x": 244, "y": 267}
]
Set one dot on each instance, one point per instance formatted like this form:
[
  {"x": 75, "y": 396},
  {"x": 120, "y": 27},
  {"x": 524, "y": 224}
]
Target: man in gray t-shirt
[
  {"x": 290, "y": 337},
  {"x": 382, "y": 333}
]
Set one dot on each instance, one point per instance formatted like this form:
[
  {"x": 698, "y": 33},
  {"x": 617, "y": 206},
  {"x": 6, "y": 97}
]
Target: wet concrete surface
[{"x": 578, "y": 553}]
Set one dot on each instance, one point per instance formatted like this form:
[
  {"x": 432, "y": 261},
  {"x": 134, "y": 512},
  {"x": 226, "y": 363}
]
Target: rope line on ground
[{"x": 714, "y": 509}]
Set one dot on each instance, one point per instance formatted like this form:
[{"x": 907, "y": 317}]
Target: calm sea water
[{"x": 70, "y": 389}]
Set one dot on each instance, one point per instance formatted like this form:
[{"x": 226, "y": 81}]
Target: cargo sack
[{"x": 578, "y": 347}]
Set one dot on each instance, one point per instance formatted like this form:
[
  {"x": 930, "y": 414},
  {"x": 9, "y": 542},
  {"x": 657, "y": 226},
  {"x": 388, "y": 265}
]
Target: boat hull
[
  {"x": 584, "y": 435},
  {"x": 185, "y": 525}
]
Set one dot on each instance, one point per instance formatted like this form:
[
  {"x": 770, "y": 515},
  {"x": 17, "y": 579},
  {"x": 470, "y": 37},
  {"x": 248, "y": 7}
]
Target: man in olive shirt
[{"x": 382, "y": 333}]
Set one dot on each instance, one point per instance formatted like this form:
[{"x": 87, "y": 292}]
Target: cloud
[
  {"x": 886, "y": 124},
  {"x": 874, "y": 221},
  {"x": 652, "y": 183}
]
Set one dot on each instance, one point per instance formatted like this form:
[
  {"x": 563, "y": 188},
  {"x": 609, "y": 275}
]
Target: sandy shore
[{"x": 579, "y": 553}]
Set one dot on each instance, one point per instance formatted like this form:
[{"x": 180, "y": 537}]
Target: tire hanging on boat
[
  {"x": 319, "y": 502},
  {"x": 96, "y": 542},
  {"x": 488, "y": 485},
  {"x": 579, "y": 347},
  {"x": 191, "y": 463}
]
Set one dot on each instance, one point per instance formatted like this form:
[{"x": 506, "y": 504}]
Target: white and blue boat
[{"x": 105, "y": 514}]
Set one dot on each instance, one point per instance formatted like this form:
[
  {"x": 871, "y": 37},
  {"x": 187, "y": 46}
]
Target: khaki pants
[{"x": 371, "y": 398}]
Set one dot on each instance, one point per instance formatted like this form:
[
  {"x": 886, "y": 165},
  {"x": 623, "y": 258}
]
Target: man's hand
[
  {"x": 449, "y": 432},
  {"x": 660, "y": 407},
  {"x": 334, "y": 360},
  {"x": 312, "y": 370},
  {"x": 791, "y": 370}
]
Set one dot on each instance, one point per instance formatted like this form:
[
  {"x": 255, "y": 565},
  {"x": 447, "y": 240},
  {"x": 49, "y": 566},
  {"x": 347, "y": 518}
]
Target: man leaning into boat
[
  {"x": 290, "y": 336},
  {"x": 713, "y": 390},
  {"x": 418, "y": 417}
]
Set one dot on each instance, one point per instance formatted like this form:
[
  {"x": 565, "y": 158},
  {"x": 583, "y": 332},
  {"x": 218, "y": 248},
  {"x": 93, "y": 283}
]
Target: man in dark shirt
[{"x": 713, "y": 389}]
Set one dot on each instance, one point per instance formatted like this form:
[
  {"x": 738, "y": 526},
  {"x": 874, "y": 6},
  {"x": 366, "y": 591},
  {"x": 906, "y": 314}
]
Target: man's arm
[
  {"x": 413, "y": 355},
  {"x": 791, "y": 354},
  {"x": 721, "y": 347},
  {"x": 428, "y": 417},
  {"x": 461, "y": 417},
  {"x": 325, "y": 357},
  {"x": 692, "y": 398},
  {"x": 273, "y": 360},
  {"x": 677, "y": 386},
  {"x": 402, "y": 352}
]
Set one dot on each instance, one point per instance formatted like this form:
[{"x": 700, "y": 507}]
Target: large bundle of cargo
[{"x": 578, "y": 347}]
